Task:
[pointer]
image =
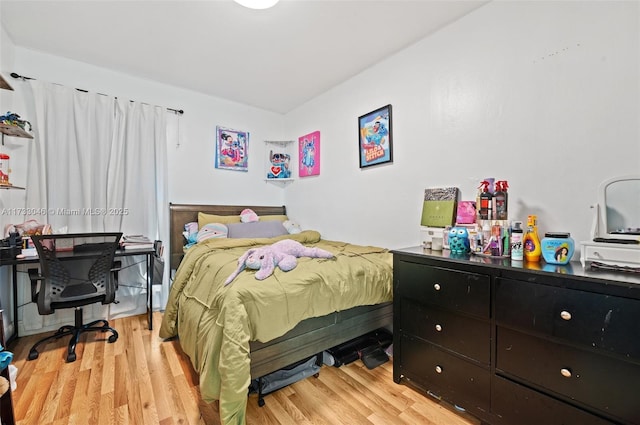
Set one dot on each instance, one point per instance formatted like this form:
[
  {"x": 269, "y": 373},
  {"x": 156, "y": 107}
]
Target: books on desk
[{"x": 136, "y": 242}]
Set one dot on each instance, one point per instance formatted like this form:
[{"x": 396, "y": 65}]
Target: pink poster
[{"x": 309, "y": 154}]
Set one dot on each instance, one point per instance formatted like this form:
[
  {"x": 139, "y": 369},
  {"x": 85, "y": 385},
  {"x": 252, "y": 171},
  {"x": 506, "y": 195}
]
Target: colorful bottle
[
  {"x": 485, "y": 201},
  {"x": 516, "y": 241},
  {"x": 501, "y": 199},
  {"x": 531, "y": 241}
]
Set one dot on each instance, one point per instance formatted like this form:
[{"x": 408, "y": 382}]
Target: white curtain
[{"x": 99, "y": 163}]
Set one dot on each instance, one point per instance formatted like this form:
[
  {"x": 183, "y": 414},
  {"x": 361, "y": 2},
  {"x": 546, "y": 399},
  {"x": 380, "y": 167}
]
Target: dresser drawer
[
  {"x": 455, "y": 380},
  {"x": 462, "y": 334},
  {"x": 612, "y": 253},
  {"x": 516, "y": 404},
  {"x": 594, "y": 320},
  {"x": 454, "y": 290},
  {"x": 600, "y": 381}
]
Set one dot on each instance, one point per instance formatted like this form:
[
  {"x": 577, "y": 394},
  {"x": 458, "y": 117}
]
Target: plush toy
[
  {"x": 459, "y": 240},
  {"x": 248, "y": 216},
  {"x": 283, "y": 254},
  {"x": 292, "y": 227},
  {"x": 212, "y": 230}
]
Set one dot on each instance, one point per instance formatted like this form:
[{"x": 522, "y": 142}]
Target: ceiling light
[{"x": 257, "y": 4}]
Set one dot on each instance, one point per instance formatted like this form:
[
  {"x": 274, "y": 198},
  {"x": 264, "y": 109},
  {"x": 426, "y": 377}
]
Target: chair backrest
[{"x": 75, "y": 269}]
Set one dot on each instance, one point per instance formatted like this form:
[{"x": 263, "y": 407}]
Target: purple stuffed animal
[{"x": 283, "y": 254}]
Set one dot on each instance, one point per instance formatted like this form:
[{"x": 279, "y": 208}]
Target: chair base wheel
[
  {"x": 33, "y": 354},
  {"x": 71, "y": 357}
]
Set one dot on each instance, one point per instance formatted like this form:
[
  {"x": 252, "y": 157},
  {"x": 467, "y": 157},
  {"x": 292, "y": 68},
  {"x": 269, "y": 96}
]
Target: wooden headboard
[{"x": 181, "y": 214}]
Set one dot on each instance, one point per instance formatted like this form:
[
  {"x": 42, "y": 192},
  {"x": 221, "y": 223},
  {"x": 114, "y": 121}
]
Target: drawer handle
[
  {"x": 439, "y": 328},
  {"x": 438, "y": 369},
  {"x": 565, "y": 372},
  {"x": 436, "y": 286},
  {"x": 565, "y": 315}
]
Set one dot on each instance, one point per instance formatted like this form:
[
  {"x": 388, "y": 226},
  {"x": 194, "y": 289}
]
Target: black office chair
[{"x": 75, "y": 270}]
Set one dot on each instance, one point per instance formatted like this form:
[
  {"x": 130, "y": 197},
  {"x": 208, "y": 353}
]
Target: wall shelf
[
  {"x": 14, "y": 131},
  {"x": 4, "y": 84},
  {"x": 279, "y": 161}
]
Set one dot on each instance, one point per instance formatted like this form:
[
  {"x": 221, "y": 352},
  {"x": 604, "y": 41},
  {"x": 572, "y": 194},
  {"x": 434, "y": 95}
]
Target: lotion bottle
[
  {"x": 516, "y": 241},
  {"x": 531, "y": 241}
]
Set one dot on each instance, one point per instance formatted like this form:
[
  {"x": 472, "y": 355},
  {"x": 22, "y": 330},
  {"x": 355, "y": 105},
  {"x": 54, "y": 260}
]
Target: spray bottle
[
  {"x": 531, "y": 241},
  {"x": 516, "y": 241},
  {"x": 485, "y": 201},
  {"x": 501, "y": 198}
]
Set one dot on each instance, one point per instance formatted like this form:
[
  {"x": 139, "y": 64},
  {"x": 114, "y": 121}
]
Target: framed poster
[
  {"x": 232, "y": 149},
  {"x": 309, "y": 154},
  {"x": 375, "y": 137}
]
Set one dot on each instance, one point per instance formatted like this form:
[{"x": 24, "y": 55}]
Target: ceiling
[{"x": 275, "y": 59}]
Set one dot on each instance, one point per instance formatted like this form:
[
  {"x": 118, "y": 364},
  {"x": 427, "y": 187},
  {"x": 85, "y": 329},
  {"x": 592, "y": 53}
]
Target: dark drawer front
[
  {"x": 445, "y": 375},
  {"x": 595, "y": 320},
  {"x": 515, "y": 404},
  {"x": 454, "y": 290},
  {"x": 461, "y": 334},
  {"x": 601, "y": 381}
]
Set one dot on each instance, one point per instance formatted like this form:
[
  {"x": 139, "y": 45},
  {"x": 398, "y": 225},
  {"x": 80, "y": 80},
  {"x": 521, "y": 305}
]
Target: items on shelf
[
  {"x": 557, "y": 248},
  {"x": 439, "y": 207},
  {"x": 4, "y": 169},
  {"x": 11, "y": 118},
  {"x": 531, "y": 241},
  {"x": 278, "y": 161},
  {"x": 492, "y": 204},
  {"x": 279, "y": 168},
  {"x": 517, "y": 234},
  {"x": 136, "y": 242}
]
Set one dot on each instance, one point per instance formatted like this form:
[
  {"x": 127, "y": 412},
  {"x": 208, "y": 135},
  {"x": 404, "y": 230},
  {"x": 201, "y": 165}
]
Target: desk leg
[
  {"x": 14, "y": 295},
  {"x": 150, "y": 267}
]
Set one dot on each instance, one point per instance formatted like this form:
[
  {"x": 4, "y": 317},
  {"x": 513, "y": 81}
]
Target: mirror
[{"x": 619, "y": 208}]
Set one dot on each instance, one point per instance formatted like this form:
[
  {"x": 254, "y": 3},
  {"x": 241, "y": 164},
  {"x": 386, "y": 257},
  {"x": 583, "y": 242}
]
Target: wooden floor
[{"x": 141, "y": 380}]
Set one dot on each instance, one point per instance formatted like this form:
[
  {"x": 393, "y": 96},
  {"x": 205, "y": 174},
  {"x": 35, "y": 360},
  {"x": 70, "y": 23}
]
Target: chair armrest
[{"x": 35, "y": 277}]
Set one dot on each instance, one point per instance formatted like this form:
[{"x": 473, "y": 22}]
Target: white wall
[
  {"x": 193, "y": 178},
  {"x": 545, "y": 95}
]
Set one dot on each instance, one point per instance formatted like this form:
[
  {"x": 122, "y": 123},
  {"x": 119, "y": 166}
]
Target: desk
[{"x": 149, "y": 254}]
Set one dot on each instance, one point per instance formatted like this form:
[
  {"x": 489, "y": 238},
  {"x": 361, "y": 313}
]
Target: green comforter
[{"x": 215, "y": 323}]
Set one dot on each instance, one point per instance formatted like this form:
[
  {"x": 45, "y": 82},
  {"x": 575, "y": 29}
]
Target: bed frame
[{"x": 310, "y": 336}]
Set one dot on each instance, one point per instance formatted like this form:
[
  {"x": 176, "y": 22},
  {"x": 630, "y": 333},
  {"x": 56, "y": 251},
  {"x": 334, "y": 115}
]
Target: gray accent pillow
[{"x": 256, "y": 229}]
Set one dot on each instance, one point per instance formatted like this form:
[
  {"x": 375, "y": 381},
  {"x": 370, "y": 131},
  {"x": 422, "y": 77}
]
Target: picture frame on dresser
[{"x": 375, "y": 137}]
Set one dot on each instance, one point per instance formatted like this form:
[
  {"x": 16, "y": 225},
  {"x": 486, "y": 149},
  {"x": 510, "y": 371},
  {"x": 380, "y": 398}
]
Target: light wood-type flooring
[{"x": 143, "y": 380}]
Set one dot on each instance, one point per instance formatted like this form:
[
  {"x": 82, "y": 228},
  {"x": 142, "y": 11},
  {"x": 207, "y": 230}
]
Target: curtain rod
[{"x": 22, "y": 77}]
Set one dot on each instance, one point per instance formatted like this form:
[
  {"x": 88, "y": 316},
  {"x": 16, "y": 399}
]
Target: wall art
[
  {"x": 232, "y": 149},
  {"x": 375, "y": 137}
]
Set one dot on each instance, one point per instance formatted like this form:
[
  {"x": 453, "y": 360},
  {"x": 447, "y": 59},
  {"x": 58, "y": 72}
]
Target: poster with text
[{"x": 375, "y": 137}]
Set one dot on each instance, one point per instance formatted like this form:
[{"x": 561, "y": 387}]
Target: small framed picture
[
  {"x": 232, "y": 149},
  {"x": 375, "y": 137}
]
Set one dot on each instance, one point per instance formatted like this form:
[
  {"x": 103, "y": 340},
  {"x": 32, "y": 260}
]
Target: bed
[{"x": 226, "y": 331}]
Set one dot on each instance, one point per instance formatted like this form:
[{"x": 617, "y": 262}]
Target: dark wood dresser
[{"x": 518, "y": 344}]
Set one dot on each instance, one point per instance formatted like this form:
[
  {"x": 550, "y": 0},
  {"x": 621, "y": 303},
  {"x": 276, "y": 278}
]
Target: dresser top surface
[{"x": 573, "y": 269}]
